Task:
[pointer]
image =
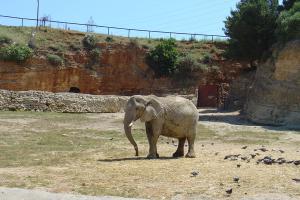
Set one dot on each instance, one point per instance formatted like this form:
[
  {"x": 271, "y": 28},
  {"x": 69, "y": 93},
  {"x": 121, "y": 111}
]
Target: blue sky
[{"x": 194, "y": 16}]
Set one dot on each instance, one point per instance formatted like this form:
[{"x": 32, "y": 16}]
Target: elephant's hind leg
[
  {"x": 180, "y": 150},
  {"x": 191, "y": 152}
]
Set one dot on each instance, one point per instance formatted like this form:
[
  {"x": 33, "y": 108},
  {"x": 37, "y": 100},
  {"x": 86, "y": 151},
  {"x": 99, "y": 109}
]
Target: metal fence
[{"x": 109, "y": 30}]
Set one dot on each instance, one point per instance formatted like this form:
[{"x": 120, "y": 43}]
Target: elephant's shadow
[{"x": 133, "y": 158}]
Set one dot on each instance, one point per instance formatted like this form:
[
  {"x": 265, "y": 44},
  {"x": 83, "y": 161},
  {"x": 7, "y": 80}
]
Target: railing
[{"x": 129, "y": 31}]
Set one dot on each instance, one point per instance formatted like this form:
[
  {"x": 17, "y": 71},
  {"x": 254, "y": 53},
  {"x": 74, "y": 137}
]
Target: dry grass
[{"x": 72, "y": 153}]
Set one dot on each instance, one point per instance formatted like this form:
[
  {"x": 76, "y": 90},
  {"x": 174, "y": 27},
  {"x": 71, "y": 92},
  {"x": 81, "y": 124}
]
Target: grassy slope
[{"x": 61, "y": 41}]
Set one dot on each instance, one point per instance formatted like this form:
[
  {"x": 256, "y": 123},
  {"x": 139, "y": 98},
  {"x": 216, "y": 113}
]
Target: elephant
[{"x": 170, "y": 116}]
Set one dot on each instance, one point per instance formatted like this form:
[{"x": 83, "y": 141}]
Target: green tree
[
  {"x": 251, "y": 28},
  {"x": 288, "y": 24},
  {"x": 163, "y": 58}
]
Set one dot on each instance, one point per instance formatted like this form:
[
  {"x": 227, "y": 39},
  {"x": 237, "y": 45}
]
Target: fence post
[
  {"x": 212, "y": 38},
  {"x": 128, "y": 33},
  {"x": 170, "y": 35},
  {"x": 149, "y": 34},
  {"x": 107, "y": 30},
  {"x": 22, "y": 22}
]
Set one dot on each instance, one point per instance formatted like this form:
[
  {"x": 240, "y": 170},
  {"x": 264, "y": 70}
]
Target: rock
[
  {"x": 263, "y": 149},
  {"x": 236, "y": 179},
  {"x": 297, "y": 162},
  {"x": 296, "y": 179},
  {"x": 238, "y": 165},
  {"x": 274, "y": 96},
  {"x": 244, "y": 158},
  {"x": 194, "y": 173},
  {"x": 244, "y": 147},
  {"x": 61, "y": 102},
  {"x": 280, "y": 161},
  {"x": 268, "y": 160},
  {"x": 229, "y": 191},
  {"x": 232, "y": 157},
  {"x": 281, "y": 151},
  {"x": 253, "y": 155}
]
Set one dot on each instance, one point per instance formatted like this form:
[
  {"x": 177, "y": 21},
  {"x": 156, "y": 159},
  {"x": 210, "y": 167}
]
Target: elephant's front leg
[{"x": 152, "y": 135}]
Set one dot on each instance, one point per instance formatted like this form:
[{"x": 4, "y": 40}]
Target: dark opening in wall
[{"x": 74, "y": 90}]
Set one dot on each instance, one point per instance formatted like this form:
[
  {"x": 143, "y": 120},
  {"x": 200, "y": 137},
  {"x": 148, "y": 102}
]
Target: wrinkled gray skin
[{"x": 170, "y": 116}]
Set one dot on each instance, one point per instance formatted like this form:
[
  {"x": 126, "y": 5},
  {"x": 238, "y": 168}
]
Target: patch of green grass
[
  {"x": 249, "y": 137},
  {"x": 53, "y": 147}
]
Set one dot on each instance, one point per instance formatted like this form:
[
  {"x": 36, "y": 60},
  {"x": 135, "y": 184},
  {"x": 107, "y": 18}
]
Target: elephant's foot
[
  {"x": 178, "y": 154},
  {"x": 153, "y": 156},
  {"x": 190, "y": 155}
]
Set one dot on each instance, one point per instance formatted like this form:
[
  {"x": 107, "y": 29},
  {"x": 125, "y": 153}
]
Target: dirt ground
[{"x": 89, "y": 154}]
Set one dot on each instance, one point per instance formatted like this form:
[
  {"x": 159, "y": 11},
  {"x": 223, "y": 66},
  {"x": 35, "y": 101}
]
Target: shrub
[
  {"x": 55, "y": 59},
  {"x": 5, "y": 40},
  {"x": 163, "y": 58},
  {"x": 288, "y": 24},
  {"x": 207, "y": 58},
  {"x": 95, "y": 54},
  {"x": 109, "y": 39},
  {"x": 15, "y": 52},
  {"x": 90, "y": 41},
  {"x": 186, "y": 64},
  {"x": 134, "y": 43}
]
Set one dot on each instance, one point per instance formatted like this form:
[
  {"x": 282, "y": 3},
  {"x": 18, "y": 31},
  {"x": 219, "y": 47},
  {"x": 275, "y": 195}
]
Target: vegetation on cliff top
[{"x": 256, "y": 25}]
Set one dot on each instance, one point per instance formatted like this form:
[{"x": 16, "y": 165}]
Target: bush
[
  {"x": 15, "y": 52},
  {"x": 5, "y": 40},
  {"x": 288, "y": 24},
  {"x": 207, "y": 58},
  {"x": 55, "y": 59},
  {"x": 187, "y": 64},
  {"x": 162, "y": 59},
  {"x": 109, "y": 39},
  {"x": 95, "y": 54},
  {"x": 90, "y": 41}
]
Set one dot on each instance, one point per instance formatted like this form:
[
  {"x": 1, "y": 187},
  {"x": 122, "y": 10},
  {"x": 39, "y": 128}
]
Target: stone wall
[
  {"x": 274, "y": 97},
  {"x": 60, "y": 102},
  {"x": 65, "y": 102}
]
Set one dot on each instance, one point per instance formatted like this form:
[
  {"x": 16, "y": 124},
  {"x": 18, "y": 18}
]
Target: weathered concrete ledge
[{"x": 60, "y": 102}]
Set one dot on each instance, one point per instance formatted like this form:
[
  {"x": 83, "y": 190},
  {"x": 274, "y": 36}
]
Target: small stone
[
  {"x": 194, "y": 173},
  {"x": 280, "y": 161},
  {"x": 212, "y": 143},
  {"x": 296, "y": 179},
  {"x": 238, "y": 165},
  {"x": 263, "y": 149},
  {"x": 228, "y": 191},
  {"x": 111, "y": 138},
  {"x": 289, "y": 162},
  {"x": 281, "y": 151},
  {"x": 244, "y": 147},
  {"x": 83, "y": 184},
  {"x": 297, "y": 162},
  {"x": 244, "y": 158},
  {"x": 236, "y": 179},
  {"x": 252, "y": 155},
  {"x": 216, "y": 153},
  {"x": 168, "y": 142},
  {"x": 268, "y": 160},
  {"x": 202, "y": 145}
]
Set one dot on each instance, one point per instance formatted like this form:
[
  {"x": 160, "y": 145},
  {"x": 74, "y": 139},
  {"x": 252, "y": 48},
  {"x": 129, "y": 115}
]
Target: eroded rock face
[{"x": 274, "y": 97}]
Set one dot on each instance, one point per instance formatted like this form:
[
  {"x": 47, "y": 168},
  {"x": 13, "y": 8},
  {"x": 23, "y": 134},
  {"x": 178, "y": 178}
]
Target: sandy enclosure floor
[{"x": 89, "y": 154}]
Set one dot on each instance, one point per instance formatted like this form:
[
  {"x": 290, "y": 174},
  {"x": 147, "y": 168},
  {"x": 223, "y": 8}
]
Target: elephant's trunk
[{"x": 127, "y": 128}]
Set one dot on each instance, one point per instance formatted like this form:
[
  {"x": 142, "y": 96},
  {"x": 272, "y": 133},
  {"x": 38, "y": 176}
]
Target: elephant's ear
[{"x": 152, "y": 110}]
